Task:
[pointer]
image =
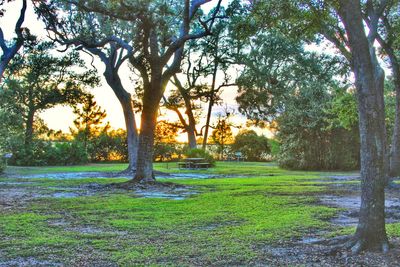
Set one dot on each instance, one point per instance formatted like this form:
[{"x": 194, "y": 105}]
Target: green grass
[{"x": 228, "y": 221}]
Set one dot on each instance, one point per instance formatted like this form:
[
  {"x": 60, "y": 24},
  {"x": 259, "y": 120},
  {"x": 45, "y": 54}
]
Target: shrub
[
  {"x": 66, "y": 154},
  {"x": 164, "y": 151},
  {"x": 41, "y": 153},
  {"x": 200, "y": 153},
  {"x": 2, "y": 165},
  {"x": 252, "y": 146}
]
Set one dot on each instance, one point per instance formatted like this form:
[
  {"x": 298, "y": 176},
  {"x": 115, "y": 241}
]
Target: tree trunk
[
  {"x": 395, "y": 146},
  {"x": 210, "y": 105},
  {"x": 369, "y": 77},
  {"x": 191, "y": 127},
  {"x": 29, "y": 128},
  {"x": 151, "y": 102},
  {"x": 132, "y": 134},
  {"x": 125, "y": 100},
  {"x": 191, "y": 133}
]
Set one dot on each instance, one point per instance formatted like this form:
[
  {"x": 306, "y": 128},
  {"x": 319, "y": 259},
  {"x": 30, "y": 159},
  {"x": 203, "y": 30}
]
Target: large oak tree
[{"x": 341, "y": 23}]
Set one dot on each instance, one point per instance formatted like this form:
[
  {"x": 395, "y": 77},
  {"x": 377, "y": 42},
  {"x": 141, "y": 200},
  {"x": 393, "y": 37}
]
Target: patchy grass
[{"x": 228, "y": 221}]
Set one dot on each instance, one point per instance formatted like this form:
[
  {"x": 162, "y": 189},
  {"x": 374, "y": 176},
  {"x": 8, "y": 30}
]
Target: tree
[
  {"x": 102, "y": 36},
  {"x": 341, "y": 23},
  {"x": 222, "y": 134},
  {"x": 158, "y": 45},
  {"x": 10, "y": 50},
  {"x": 187, "y": 94},
  {"x": 369, "y": 83},
  {"x": 254, "y": 147},
  {"x": 164, "y": 139},
  {"x": 311, "y": 134},
  {"x": 32, "y": 88},
  {"x": 216, "y": 50},
  {"x": 89, "y": 118},
  {"x": 274, "y": 68},
  {"x": 387, "y": 37}
]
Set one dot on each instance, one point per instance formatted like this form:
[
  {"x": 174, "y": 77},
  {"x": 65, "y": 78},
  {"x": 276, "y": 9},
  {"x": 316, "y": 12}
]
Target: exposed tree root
[
  {"x": 355, "y": 244},
  {"x": 131, "y": 172},
  {"x": 144, "y": 184}
]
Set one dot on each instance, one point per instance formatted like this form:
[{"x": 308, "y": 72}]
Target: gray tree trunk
[
  {"x": 125, "y": 100},
  {"x": 369, "y": 77},
  {"x": 395, "y": 146},
  {"x": 191, "y": 133}
]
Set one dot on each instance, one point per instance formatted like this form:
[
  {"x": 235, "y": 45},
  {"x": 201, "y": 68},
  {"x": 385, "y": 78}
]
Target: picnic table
[
  {"x": 194, "y": 163},
  {"x": 237, "y": 156}
]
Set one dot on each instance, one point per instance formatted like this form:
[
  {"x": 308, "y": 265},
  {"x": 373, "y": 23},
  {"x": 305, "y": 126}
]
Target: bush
[
  {"x": 41, "y": 153},
  {"x": 200, "y": 153},
  {"x": 109, "y": 146},
  {"x": 66, "y": 154},
  {"x": 252, "y": 146},
  {"x": 32, "y": 155},
  {"x": 2, "y": 165},
  {"x": 164, "y": 151}
]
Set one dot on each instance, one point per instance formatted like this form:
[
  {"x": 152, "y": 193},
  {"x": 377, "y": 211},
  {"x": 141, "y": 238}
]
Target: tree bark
[
  {"x": 191, "y": 133},
  {"x": 369, "y": 78},
  {"x": 151, "y": 103},
  {"x": 191, "y": 126},
  {"x": 125, "y": 100},
  {"x": 29, "y": 128},
  {"x": 395, "y": 146}
]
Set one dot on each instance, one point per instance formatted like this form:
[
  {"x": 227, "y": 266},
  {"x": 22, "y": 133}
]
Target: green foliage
[
  {"x": 308, "y": 140},
  {"x": 36, "y": 81},
  {"x": 222, "y": 136},
  {"x": 2, "y": 164},
  {"x": 200, "y": 153},
  {"x": 32, "y": 155},
  {"x": 275, "y": 147},
  {"x": 41, "y": 153},
  {"x": 109, "y": 145},
  {"x": 252, "y": 146},
  {"x": 66, "y": 153},
  {"x": 164, "y": 141},
  {"x": 89, "y": 117},
  {"x": 344, "y": 110}
]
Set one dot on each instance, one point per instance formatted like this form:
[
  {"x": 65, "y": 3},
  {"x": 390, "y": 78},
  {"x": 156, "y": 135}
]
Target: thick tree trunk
[
  {"x": 151, "y": 103},
  {"x": 369, "y": 77},
  {"x": 395, "y": 146},
  {"x": 125, "y": 100}
]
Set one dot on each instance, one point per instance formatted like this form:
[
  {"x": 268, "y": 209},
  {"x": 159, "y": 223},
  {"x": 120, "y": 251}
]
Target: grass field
[{"x": 224, "y": 221}]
